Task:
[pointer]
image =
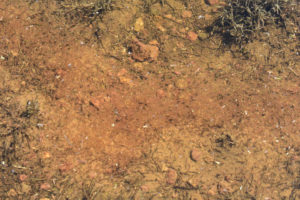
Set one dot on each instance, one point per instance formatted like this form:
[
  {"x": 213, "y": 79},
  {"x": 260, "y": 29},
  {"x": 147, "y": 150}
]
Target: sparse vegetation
[
  {"x": 85, "y": 11},
  {"x": 240, "y": 19},
  {"x": 85, "y": 114}
]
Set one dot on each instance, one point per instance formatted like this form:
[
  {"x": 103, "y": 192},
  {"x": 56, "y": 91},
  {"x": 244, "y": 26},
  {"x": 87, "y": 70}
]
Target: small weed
[
  {"x": 32, "y": 108},
  {"x": 12, "y": 134},
  {"x": 89, "y": 190},
  {"x": 149, "y": 3},
  {"x": 82, "y": 11},
  {"x": 240, "y": 19}
]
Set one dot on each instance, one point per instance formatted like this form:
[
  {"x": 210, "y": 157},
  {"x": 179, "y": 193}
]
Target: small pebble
[
  {"x": 93, "y": 174},
  {"x": 171, "y": 176},
  {"x": 25, "y": 188},
  {"x": 12, "y": 193},
  {"x": 192, "y": 36},
  {"x": 181, "y": 84},
  {"x": 195, "y": 155},
  {"x": 23, "y": 177},
  {"x": 186, "y": 14},
  {"x": 212, "y": 2},
  {"x": 45, "y": 186},
  {"x": 160, "y": 93}
]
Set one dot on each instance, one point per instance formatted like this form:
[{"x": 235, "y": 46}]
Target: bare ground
[{"x": 87, "y": 113}]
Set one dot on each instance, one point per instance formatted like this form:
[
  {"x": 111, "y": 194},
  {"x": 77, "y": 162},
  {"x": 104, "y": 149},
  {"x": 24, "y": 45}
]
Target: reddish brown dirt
[{"x": 197, "y": 122}]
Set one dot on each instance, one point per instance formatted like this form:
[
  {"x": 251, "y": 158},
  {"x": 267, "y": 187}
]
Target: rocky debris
[
  {"x": 45, "y": 186},
  {"x": 186, "y": 14},
  {"x": 171, "y": 176},
  {"x": 224, "y": 187},
  {"x": 150, "y": 187},
  {"x": 194, "y": 182},
  {"x": 160, "y": 27},
  {"x": 203, "y": 35},
  {"x": 192, "y": 36},
  {"x": 65, "y": 167},
  {"x": 93, "y": 174},
  {"x": 123, "y": 79},
  {"x": 143, "y": 52},
  {"x": 154, "y": 42},
  {"x": 212, "y": 2},
  {"x": 195, "y": 155},
  {"x": 23, "y": 177},
  {"x": 181, "y": 84},
  {"x": 25, "y": 188},
  {"x": 208, "y": 17},
  {"x": 122, "y": 72},
  {"x": 160, "y": 93},
  {"x": 126, "y": 80},
  {"x": 139, "y": 25},
  {"x": 98, "y": 101},
  {"x": 145, "y": 188},
  {"x": 46, "y": 155},
  {"x": 12, "y": 193},
  {"x": 212, "y": 191},
  {"x": 195, "y": 196}
]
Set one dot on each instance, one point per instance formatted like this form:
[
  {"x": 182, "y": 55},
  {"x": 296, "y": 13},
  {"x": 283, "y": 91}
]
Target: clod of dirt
[
  {"x": 144, "y": 52},
  {"x": 224, "y": 187},
  {"x": 45, "y": 186},
  {"x": 46, "y": 155},
  {"x": 192, "y": 36},
  {"x": 212, "y": 2},
  {"x": 186, "y": 14},
  {"x": 144, "y": 188},
  {"x": 181, "y": 84},
  {"x": 171, "y": 176},
  {"x": 98, "y": 101},
  {"x": 23, "y": 177},
  {"x": 203, "y": 35},
  {"x": 25, "y": 188},
  {"x": 195, "y": 155},
  {"x": 139, "y": 25},
  {"x": 196, "y": 196},
  {"x": 154, "y": 42},
  {"x": 122, "y": 72},
  {"x": 160, "y": 93},
  {"x": 11, "y": 193},
  {"x": 93, "y": 174},
  {"x": 212, "y": 191},
  {"x": 193, "y": 182},
  {"x": 65, "y": 167},
  {"x": 150, "y": 187}
]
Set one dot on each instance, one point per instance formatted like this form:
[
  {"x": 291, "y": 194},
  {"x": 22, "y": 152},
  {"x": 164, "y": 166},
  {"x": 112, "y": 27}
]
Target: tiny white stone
[{"x": 145, "y": 126}]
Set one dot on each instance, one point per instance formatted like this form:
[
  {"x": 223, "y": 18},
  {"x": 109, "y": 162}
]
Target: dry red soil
[{"x": 137, "y": 106}]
